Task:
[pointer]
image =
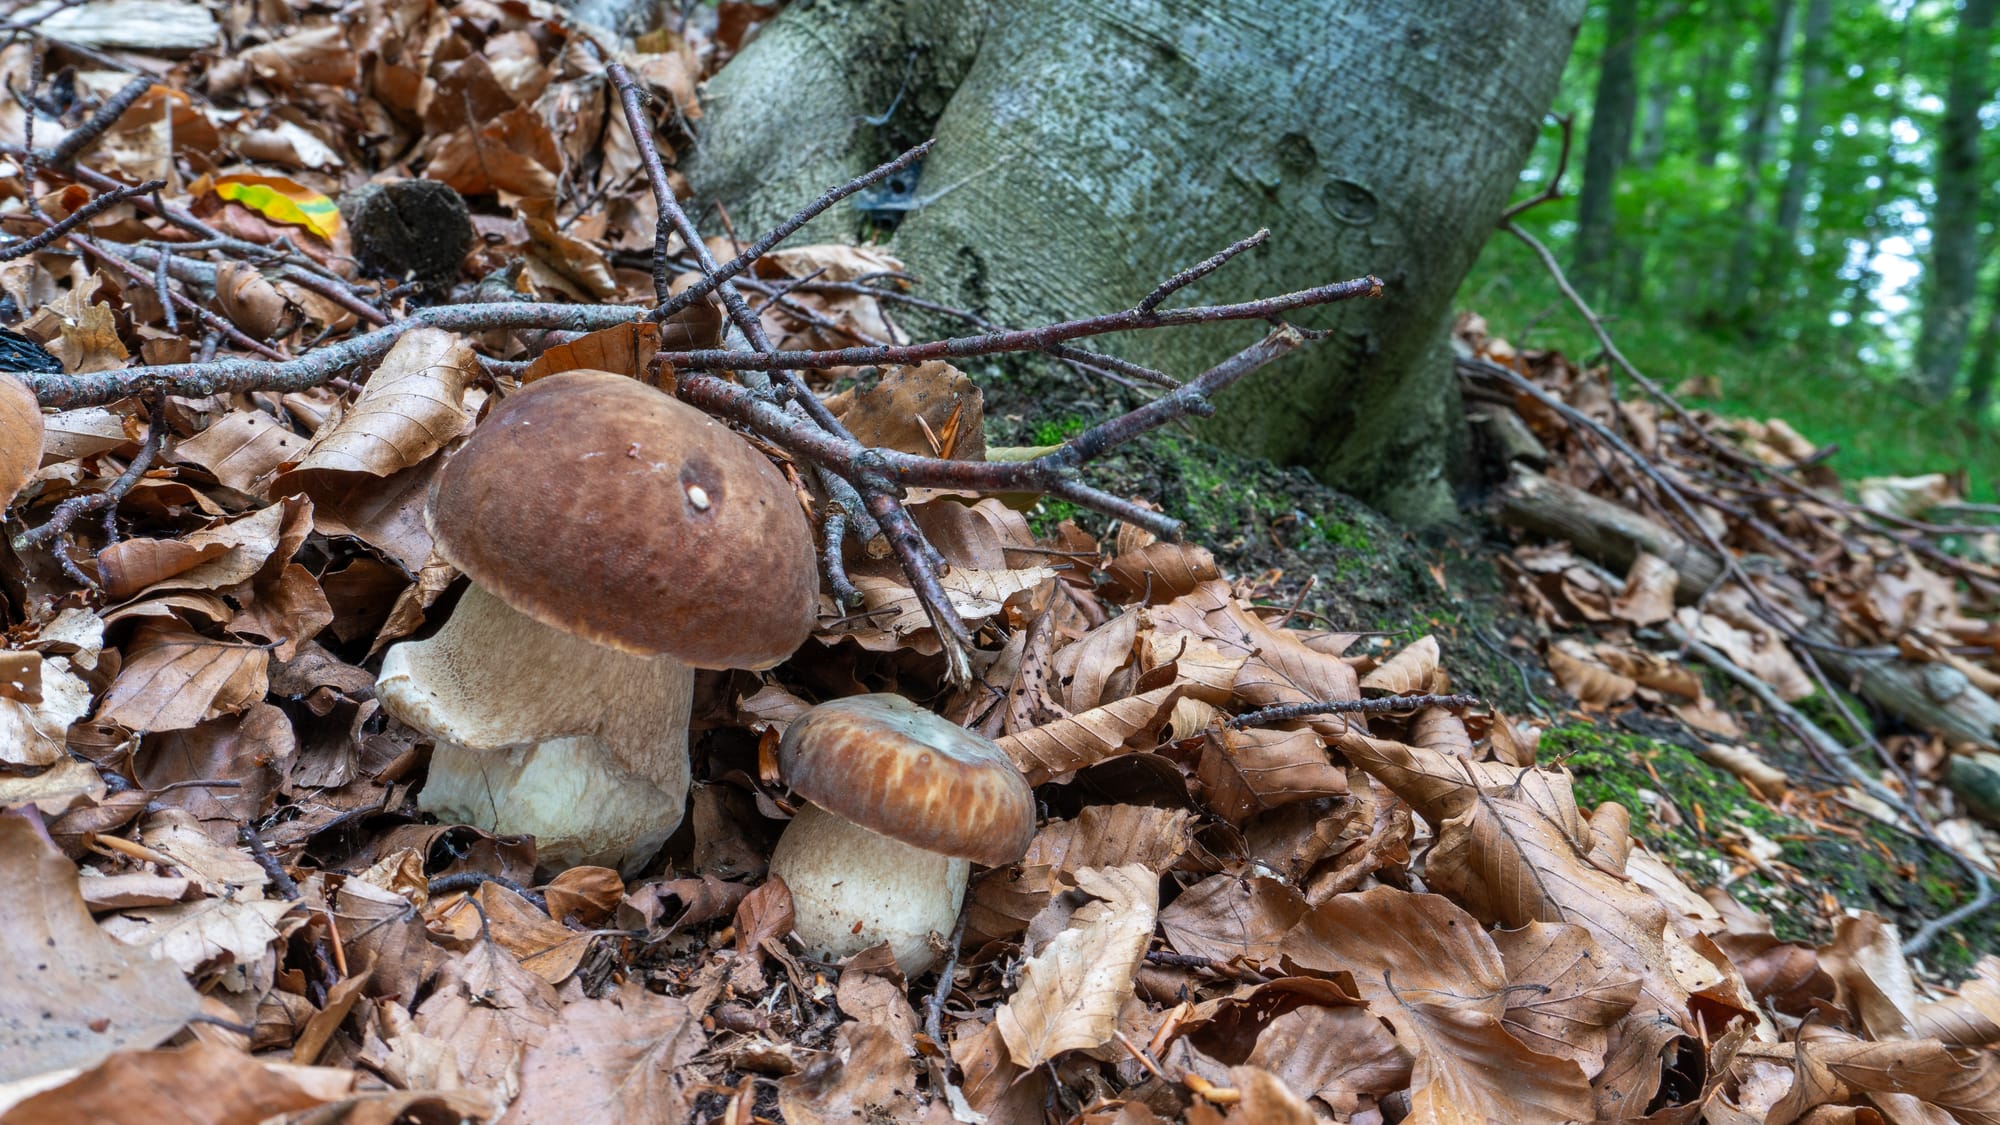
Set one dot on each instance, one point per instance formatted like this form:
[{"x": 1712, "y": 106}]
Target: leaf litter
[{"x": 1370, "y": 903}]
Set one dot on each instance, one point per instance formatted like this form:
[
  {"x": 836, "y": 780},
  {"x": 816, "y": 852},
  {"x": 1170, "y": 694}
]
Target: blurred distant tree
[
  {"x": 1607, "y": 150},
  {"x": 1954, "y": 257},
  {"x": 1759, "y": 137}
]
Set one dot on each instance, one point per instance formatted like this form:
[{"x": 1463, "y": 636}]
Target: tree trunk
[
  {"x": 1608, "y": 148},
  {"x": 1758, "y": 139},
  {"x": 1086, "y": 153},
  {"x": 1711, "y": 97},
  {"x": 1985, "y": 362},
  {"x": 1804, "y": 157},
  {"x": 1954, "y": 264}
]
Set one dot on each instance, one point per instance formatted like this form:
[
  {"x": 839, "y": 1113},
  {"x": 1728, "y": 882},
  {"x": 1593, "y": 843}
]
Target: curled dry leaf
[
  {"x": 411, "y": 407},
  {"x": 611, "y": 1059},
  {"x": 1430, "y": 971},
  {"x": 230, "y": 1088},
  {"x": 1409, "y": 672},
  {"x": 70, "y": 996},
  {"x": 20, "y": 437},
  {"x": 175, "y": 678},
  {"x": 866, "y": 1077},
  {"x": 1071, "y": 991},
  {"x": 1648, "y": 596},
  {"x": 1232, "y": 919},
  {"x": 39, "y": 698},
  {"x": 1342, "y": 1056},
  {"x": 1245, "y": 772},
  {"x": 1591, "y": 683},
  {"x": 1057, "y": 748},
  {"x": 1159, "y": 572},
  {"x": 930, "y": 409},
  {"x": 251, "y": 302}
]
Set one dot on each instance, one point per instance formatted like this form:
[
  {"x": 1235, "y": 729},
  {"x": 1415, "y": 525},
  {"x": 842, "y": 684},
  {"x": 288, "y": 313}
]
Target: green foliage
[{"x": 1821, "y": 340}]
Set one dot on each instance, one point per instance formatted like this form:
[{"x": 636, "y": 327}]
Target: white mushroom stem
[
  {"x": 853, "y": 888},
  {"x": 540, "y": 732}
]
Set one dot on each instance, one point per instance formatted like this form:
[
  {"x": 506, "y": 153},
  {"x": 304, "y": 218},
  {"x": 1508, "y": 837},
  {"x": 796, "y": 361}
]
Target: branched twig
[
  {"x": 1199, "y": 270},
  {"x": 77, "y": 218},
  {"x": 70, "y": 510},
  {"x": 471, "y": 881},
  {"x": 1388, "y": 705},
  {"x": 273, "y": 870},
  {"x": 711, "y": 280},
  {"x": 107, "y": 115}
]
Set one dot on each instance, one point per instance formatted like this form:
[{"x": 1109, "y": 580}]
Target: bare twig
[
  {"x": 1199, "y": 270},
  {"x": 1388, "y": 705},
  {"x": 107, "y": 115},
  {"x": 77, "y": 218},
  {"x": 70, "y": 510},
  {"x": 273, "y": 870}
]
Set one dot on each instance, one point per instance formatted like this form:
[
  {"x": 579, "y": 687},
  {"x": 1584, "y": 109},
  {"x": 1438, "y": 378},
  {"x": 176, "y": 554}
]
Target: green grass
[{"x": 1819, "y": 387}]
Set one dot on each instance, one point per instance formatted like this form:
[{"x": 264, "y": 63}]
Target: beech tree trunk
[
  {"x": 1606, "y": 151},
  {"x": 1804, "y": 155},
  {"x": 1759, "y": 137},
  {"x": 1087, "y": 152},
  {"x": 1954, "y": 261}
]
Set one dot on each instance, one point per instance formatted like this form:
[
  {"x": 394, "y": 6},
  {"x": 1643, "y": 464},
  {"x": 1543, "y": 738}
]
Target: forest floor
[{"x": 1663, "y": 785}]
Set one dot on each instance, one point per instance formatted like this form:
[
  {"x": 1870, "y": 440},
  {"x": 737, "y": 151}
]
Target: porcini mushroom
[
  {"x": 902, "y": 802},
  {"x": 617, "y": 539}
]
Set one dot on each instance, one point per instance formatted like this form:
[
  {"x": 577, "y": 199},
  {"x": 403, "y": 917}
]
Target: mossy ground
[{"x": 1692, "y": 815}]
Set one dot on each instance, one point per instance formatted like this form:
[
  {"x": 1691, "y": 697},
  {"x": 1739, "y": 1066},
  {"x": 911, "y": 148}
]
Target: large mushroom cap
[
  {"x": 600, "y": 506},
  {"x": 892, "y": 767}
]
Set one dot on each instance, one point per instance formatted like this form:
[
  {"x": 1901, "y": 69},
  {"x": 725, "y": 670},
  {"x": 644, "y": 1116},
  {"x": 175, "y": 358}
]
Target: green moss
[
  {"x": 1049, "y": 512},
  {"x": 1680, "y": 795},
  {"x": 1057, "y": 431}
]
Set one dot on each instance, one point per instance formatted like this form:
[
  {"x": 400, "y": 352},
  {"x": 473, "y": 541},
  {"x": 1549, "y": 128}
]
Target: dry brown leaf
[
  {"x": 411, "y": 407},
  {"x": 1591, "y": 683},
  {"x": 251, "y": 302},
  {"x": 623, "y": 349},
  {"x": 20, "y": 437},
  {"x": 1437, "y": 729},
  {"x": 1071, "y": 990},
  {"x": 1409, "y": 672},
  {"x": 611, "y": 1059},
  {"x": 39, "y": 698},
  {"x": 175, "y": 678},
  {"x": 241, "y": 448},
  {"x": 1159, "y": 572},
  {"x": 1098, "y": 666},
  {"x": 1648, "y": 596},
  {"x": 1264, "y": 1099},
  {"x": 1110, "y": 835},
  {"x": 1229, "y": 918},
  {"x": 1245, "y": 772},
  {"x": 1758, "y": 651},
  {"x": 199, "y": 1084},
  {"x": 1563, "y": 996},
  {"x": 975, "y": 594},
  {"x": 70, "y": 996},
  {"x": 1339, "y": 1055},
  {"x": 490, "y": 1012},
  {"x": 544, "y": 946},
  {"x": 1969, "y": 1019},
  {"x": 1429, "y": 970},
  {"x": 930, "y": 409},
  {"x": 864, "y": 1079},
  {"x": 1057, "y": 748},
  {"x": 223, "y": 554}
]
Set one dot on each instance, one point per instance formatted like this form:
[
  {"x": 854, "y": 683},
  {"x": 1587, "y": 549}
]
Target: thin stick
[
  {"x": 104, "y": 202},
  {"x": 1388, "y": 705},
  {"x": 273, "y": 870},
  {"x": 1200, "y": 270}
]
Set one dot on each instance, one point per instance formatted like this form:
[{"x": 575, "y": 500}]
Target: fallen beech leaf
[
  {"x": 1342, "y": 1056},
  {"x": 1759, "y": 652},
  {"x": 1159, "y": 572},
  {"x": 241, "y": 448},
  {"x": 611, "y": 1059},
  {"x": 250, "y": 301},
  {"x": 1057, "y": 748},
  {"x": 1648, "y": 596},
  {"x": 1564, "y": 996},
  {"x": 410, "y": 408},
  {"x": 227, "y": 1086},
  {"x": 489, "y": 1011},
  {"x": 1108, "y": 835},
  {"x": 70, "y": 996},
  {"x": 1070, "y": 991},
  {"x": 174, "y": 678},
  {"x": 221, "y": 555},
  {"x": 20, "y": 437},
  {"x": 1409, "y": 672},
  {"x": 930, "y": 409},
  {"x": 1429, "y": 970},
  {"x": 1969, "y": 1019},
  {"x": 1245, "y": 772},
  {"x": 1233, "y": 919},
  {"x": 1591, "y": 683},
  {"x": 39, "y": 698},
  {"x": 866, "y": 1077},
  {"x": 623, "y": 349}
]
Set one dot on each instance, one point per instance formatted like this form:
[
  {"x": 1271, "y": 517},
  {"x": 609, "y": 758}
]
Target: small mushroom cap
[
  {"x": 598, "y": 505},
  {"x": 894, "y": 768}
]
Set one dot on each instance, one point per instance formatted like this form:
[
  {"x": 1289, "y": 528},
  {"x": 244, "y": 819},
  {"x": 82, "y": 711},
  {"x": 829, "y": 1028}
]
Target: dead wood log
[{"x": 1932, "y": 696}]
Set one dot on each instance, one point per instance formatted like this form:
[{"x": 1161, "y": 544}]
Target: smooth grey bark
[
  {"x": 1085, "y": 153},
  {"x": 1954, "y": 260},
  {"x": 1606, "y": 151},
  {"x": 1759, "y": 137},
  {"x": 1803, "y": 158}
]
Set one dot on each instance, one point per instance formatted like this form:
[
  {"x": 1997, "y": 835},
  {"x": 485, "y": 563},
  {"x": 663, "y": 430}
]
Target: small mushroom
[
  {"x": 901, "y": 801},
  {"x": 617, "y": 539}
]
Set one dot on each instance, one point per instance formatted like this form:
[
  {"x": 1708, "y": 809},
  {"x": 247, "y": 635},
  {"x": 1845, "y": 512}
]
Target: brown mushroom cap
[
  {"x": 599, "y": 506},
  {"x": 894, "y": 768}
]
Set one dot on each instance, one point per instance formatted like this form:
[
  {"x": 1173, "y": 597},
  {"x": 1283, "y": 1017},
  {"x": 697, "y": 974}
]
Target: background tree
[
  {"x": 1954, "y": 258},
  {"x": 1084, "y": 152},
  {"x": 1609, "y": 146}
]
